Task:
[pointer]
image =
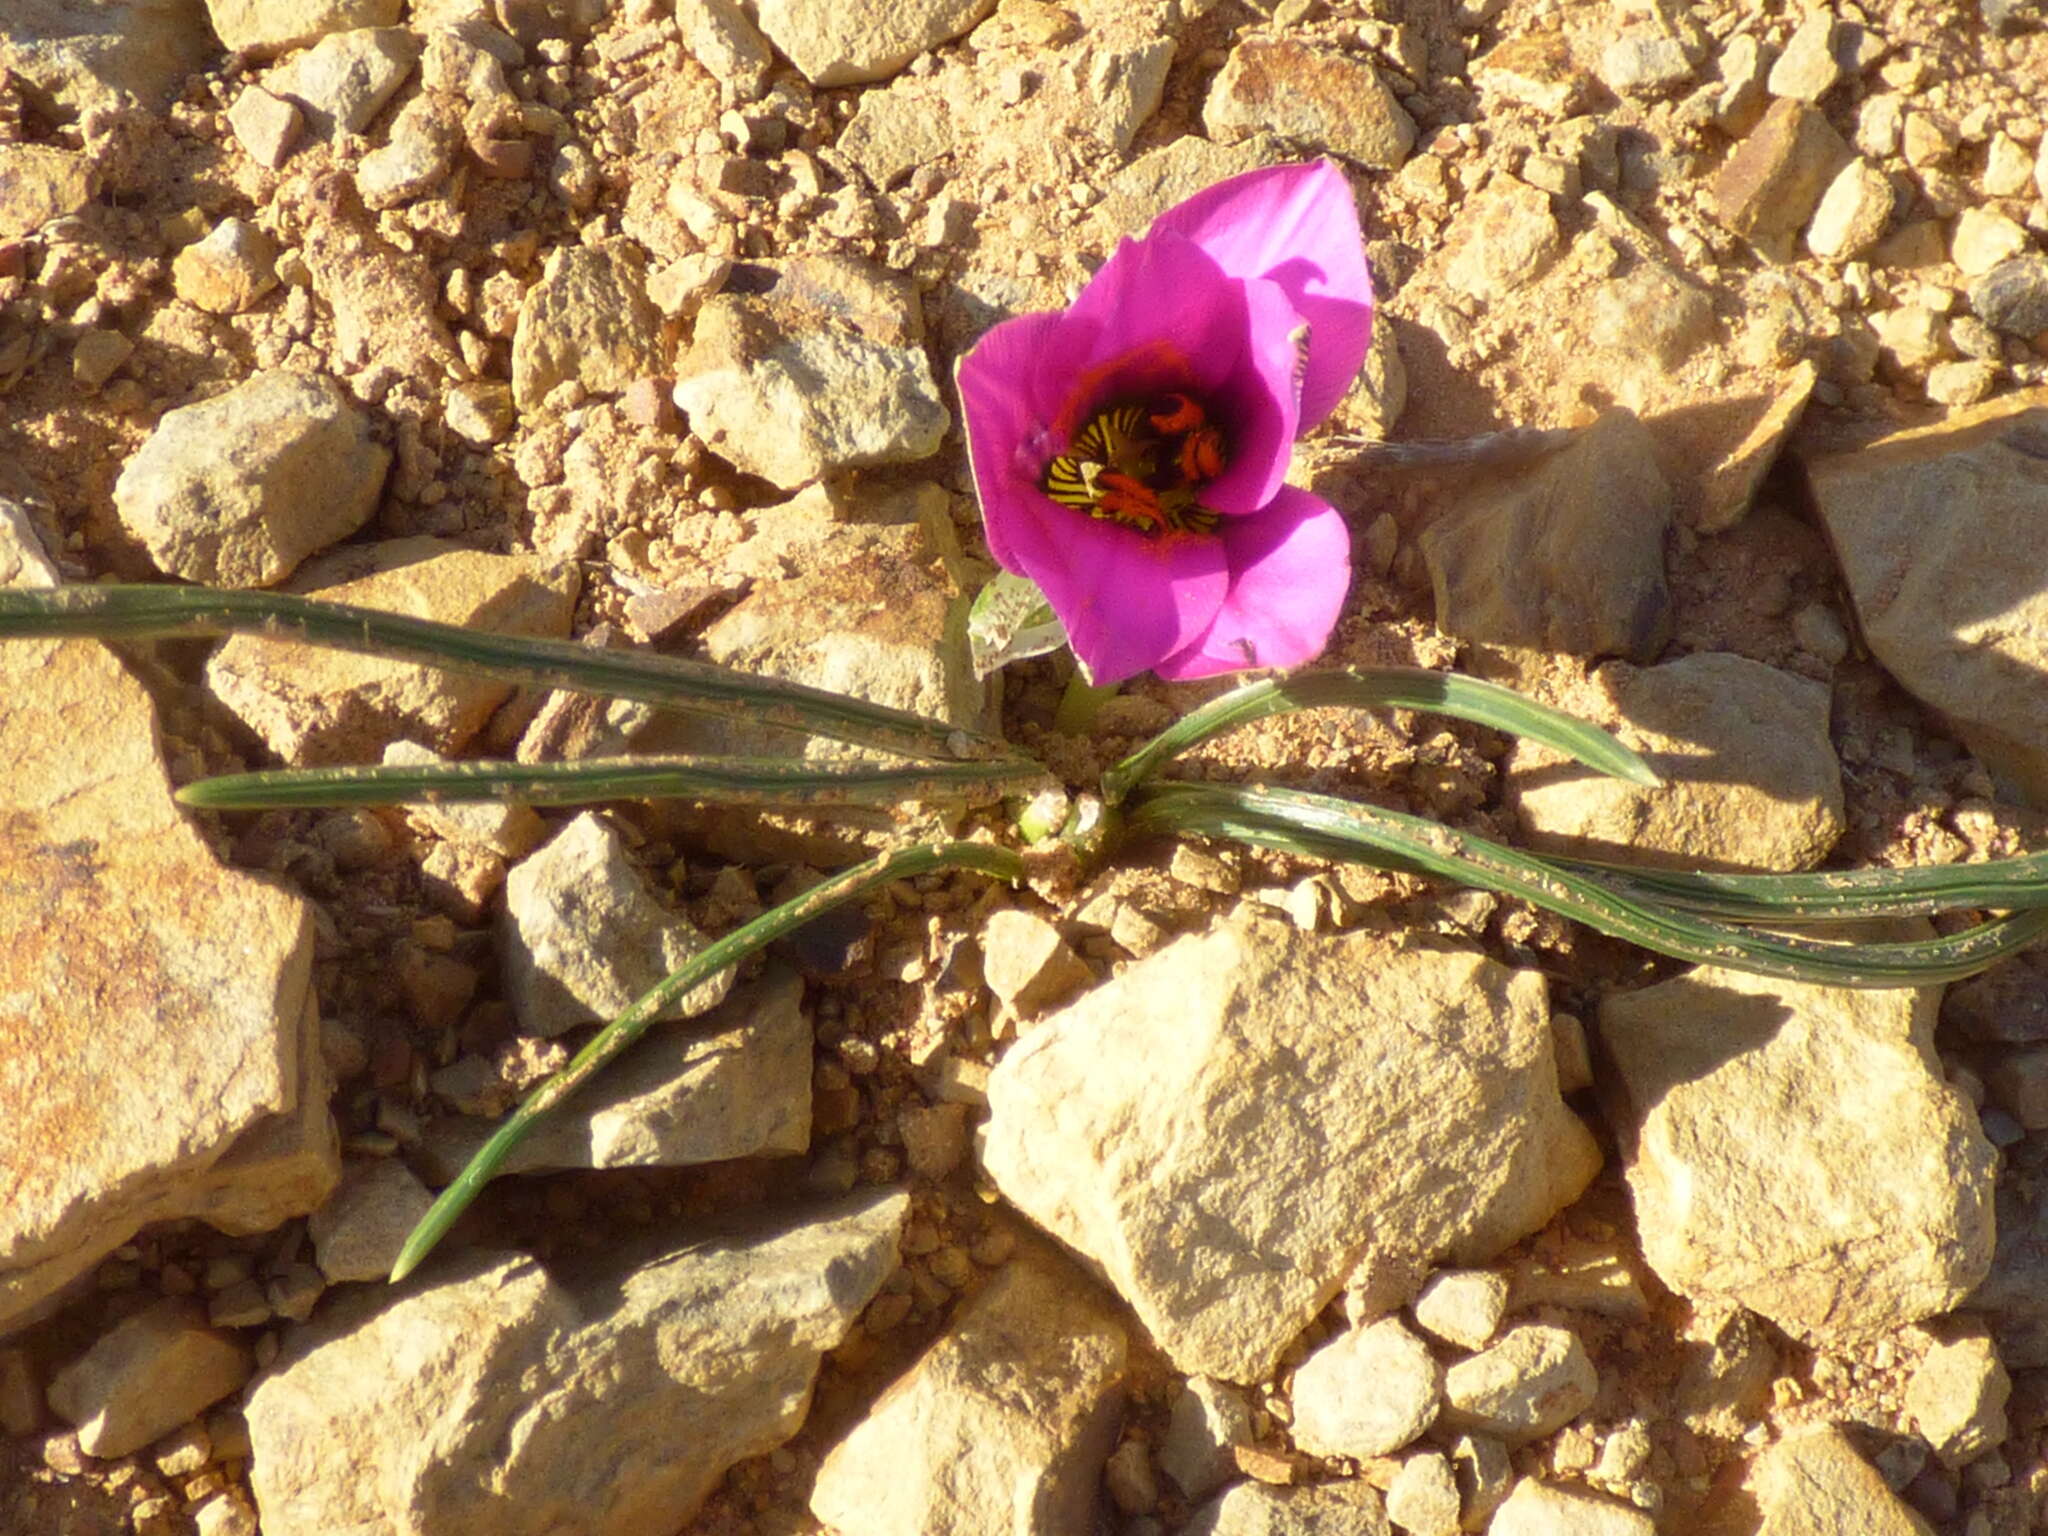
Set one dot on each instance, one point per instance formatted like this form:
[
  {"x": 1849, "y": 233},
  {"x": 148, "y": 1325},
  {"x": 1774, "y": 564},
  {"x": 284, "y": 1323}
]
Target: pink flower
[{"x": 1130, "y": 451}]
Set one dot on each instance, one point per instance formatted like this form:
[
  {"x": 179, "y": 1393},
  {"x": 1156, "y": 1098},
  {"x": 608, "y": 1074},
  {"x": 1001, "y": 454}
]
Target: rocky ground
[{"x": 1220, "y": 1193}]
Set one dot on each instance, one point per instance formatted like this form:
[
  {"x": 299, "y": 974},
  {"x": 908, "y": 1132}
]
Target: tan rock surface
[{"x": 1812, "y": 1483}]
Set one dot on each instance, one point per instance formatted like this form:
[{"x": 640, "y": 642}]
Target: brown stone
[{"x": 1775, "y": 178}]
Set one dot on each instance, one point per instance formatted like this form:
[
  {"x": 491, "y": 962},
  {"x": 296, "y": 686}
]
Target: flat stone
[
  {"x": 343, "y": 81},
  {"x": 1653, "y": 312},
  {"x": 1142, "y": 190},
  {"x": 897, "y": 129},
  {"x": 1808, "y": 69},
  {"x": 1853, "y": 212},
  {"x": 1368, "y": 1392},
  {"x": 2013, "y": 296},
  {"x": 1485, "y": 1475},
  {"x": 1469, "y": 1145},
  {"x": 357, "y": 1234},
  {"x": 147, "y": 1376},
  {"x": 1566, "y": 555},
  {"x": 265, "y": 27},
  {"x": 1984, "y": 237},
  {"x": 1503, "y": 239},
  {"x": 1117, "y": 88},
  {"x": 25, "y": 511},
  {"x": 326, "y": 706},
  {"x": 1812, "y": 1483},
  {"x": 1752, "y": 1139},
  {"x": 1751, "y": 780},
  {"x": 851, "y": 42},
  {"x": 417, "y": 157},
  {"x": 1003, "y": 1424},
  {"x": 735, "y": 1082},
  {"x": 721, "y": 37},
  {"x": 239, "y": 489},
  {"x": 1028, "y": 965},
  {"x": 84, "y": 55},
  {"x": 606, "y": 1396},
  {"x": 1462, "y": 1306},
  {"x": 1644, "y": 61},
  {"x": 1535, "y": 1379},
  {"x": 39, "y": 184},
  {"x": 266, "y": 126},
  {"x": 1967, "y": 634},
  {"x": 587, "y": 319},
  {"x": 792, "y": 392},
  {"x": 1536, "y": 69},
  {"x": 1211, "y": 1419},
  {"x": 585, "y": 934},
  {"x": 1537, "y": 1508},
  {"x": 1423, "y": 1497},
  {"x": 228, "y": 271},
  {"x": 1725, "y": 1381},
  {"x": 1956, "y": 1398},
  {"x": 1324, "y": 1509},
  {"x": 163, "y": 1057},
  {"x": 508, "y": 829},
  {"x": 1962, "y": 383},
  {"x": 1316, "y": 96},
  {"x": 384, "y": 302},
  {"x": 1772, "y": 182}
]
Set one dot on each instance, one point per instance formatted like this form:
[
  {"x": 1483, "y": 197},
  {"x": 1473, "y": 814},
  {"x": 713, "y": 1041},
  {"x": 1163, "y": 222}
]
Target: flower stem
[{"x": 1079, "y": 704}]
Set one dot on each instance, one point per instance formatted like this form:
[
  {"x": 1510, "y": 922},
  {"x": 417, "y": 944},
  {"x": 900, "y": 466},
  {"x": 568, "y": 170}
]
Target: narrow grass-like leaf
[
  {"x": 848, "y": 885},
  {"x": 734, "y": 781},
  {"x": 1440, "y": 693},
  {"x": 1834, "y": 895},
  {"x": 1321, "y": 825},
  {"x": 163, "y": 612}
]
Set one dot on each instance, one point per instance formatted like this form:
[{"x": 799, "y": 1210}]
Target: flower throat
[{"x": 1141, "y": 465}]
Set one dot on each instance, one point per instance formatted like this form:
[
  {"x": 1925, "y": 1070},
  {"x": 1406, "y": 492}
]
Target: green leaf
[
  {"x": 1323, "y": 826},
  {"x": 1836, "y": 894},
  {"x": 735, "y": 781},
  {"x": 1442, "y": 693},
  {"x": 1011, "y": 621},
  {"x": 162, "y": 612},
  {"x": 615, "y": 1037}
]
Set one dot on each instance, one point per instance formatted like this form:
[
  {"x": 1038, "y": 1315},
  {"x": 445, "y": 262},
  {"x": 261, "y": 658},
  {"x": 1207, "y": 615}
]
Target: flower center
[{"x": 1142, "y": 464}]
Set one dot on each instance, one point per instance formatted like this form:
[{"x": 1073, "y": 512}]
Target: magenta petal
[
  {"x": 1002, "y": 383},
  {"x": 1128, "y": 601},
  {"x": 1296, "y": 225},
  {"x": 1290, "y": 568},
  {"x": 1159, "y": 314},
  {"x": 1261, "y": 401}
]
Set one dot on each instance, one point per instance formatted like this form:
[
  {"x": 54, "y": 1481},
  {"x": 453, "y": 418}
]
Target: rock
[
  {"x": 720, "y": 36},
  {"x": 1956, "y": 1398},
  {"x": 1772, "y": 182},
  {"x": 325, "y": 706},
  {"x": 2018, "y": 1081},
  {"x": 1538, "y": 1508},
  {"x": 1567, "y": 554},
  {"x": 1505, "y": 238},
  {"x": 2013, "y": 296},
  {"x": 735, "y": 1082},
  {"x": 1089, "y": 1115},
  {"x": 39, "y": 185},
  {"x": 1028, "y": 965},
  {"x": 1325, "y": 99},
  {"x": 1117, "y": 89},
  {"x": 1644, "y": 61},
  {"x": 97, "y": 357},
  {"x": 1751, "y": 777},
  {"x": 1534, "y": 1379},
  {"x": 2006, "y": 1005},
  {"x": 1485, "y": 1477},
  {"x": 585, "y": 934},
  {"x": 898, "y": 129},
  {"x": 1807, "y": 70},
  {"x": 1966, "y": 634},
  {"x": 506, "y": 828},
  {"x": 228, "y": 271},
  {"x": 1423, "y": 1497},
  {"x": 1159, "y": 178},
  {"x": 1003, "y": 1424},
  {"x": 147, "y": 1376},
  {"x": 1984, "y": 237},
  {"x": 854, "y": 41},
  {"x": 791, "y": 393},
  {"x": 1579, "y": 1275},
  {"x": 1962, "y": 383},
  {"x": 1462, "y": 1306},
  {"x": 24, "y": 556},
  {"x": 265, "y": 27},
  {"x": 358, "y": 1232},
  {"x": 1651, "y": 311},
  {"x": 1726, "y": 1378},
  {"x": 479, "y": 412},
  {"x": 587, "y": 319},
  {"x": 1367, "y": 1393},
  {"x": 416, "y": 158},
  {"x": 606, "y": 1397},
  {"x": 1537, "y": 69},
  {"x": 1326, "y": 1509},
  {"x": 383, "y": 301},
  {"x": 165, "y": 1062},
  {"x": 1752, "y": 1140},
  {"x": 1211, "y": 1419},
  {"x": 266, "y": 126},
  {"x": 238, "y": 489},
  {"x": 87, "y": 55},
  {"x": 1812, "y": 1483},
  {"x": 343, "y": 81},
  {"x": 1853, "y": 213}
]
